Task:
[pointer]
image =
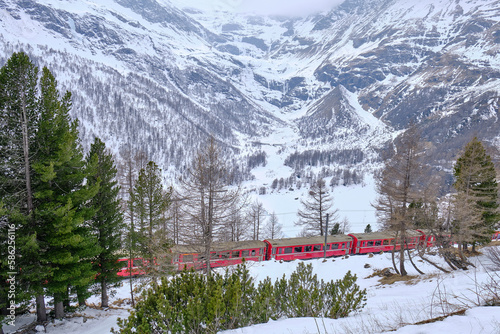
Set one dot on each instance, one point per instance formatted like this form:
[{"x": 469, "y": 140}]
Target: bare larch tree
[
  {"x": 207, "y": 198},
  {"x": 314, "y": 209}
]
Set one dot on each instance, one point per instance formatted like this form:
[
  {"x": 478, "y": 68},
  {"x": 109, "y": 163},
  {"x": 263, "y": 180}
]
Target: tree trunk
[
  {"x": 131, "y": 285},
  {"x": 29, "y": 194},
  {"x": 80, "y": 293},
  {"x": 58, "y": 306},
  {"x": 41, "y": 312},
  {"x": 394, "y": 260},
  {"x": 104, "y": 294},
  {"x": 66, "y": 301},
  {"x": 402, "y": 269},
  {"x": 413, "y": 264}
]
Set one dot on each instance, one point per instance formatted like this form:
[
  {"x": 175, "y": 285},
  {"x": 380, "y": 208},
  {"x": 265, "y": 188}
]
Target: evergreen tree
[
  {"x": 62, "y": 232},
  {"x": 151, "y": 204},
  {"x": 368, "y": 229},
  {"x": 42, "y": 184},
  {"x": 19, "y": 117},
  {"x": 336, "y": 229},
  {"x": 477, "y": 190},
  {"x": 107, "y": 222},
  {"x": 18, "y": 121}
]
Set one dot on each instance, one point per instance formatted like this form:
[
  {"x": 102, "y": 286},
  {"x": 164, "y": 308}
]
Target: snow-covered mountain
[{"x": 319, "y": 94}]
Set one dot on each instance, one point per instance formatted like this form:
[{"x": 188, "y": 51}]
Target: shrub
[{"x": 194, "y": 303}]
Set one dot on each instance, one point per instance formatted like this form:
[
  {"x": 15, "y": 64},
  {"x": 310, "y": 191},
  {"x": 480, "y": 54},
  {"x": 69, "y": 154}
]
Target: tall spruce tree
[
  {"x": 107, "y": 222},
  {"x": 19, "y": 117},
  {"x": 151, "y": 203},
  {"x": 43, "y": 173},
  {"x": 63, "y": 237},
  {"x": 477, "y": 191}
]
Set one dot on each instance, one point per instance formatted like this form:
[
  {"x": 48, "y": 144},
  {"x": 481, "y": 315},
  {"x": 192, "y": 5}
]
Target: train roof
[
  {"x": 218, "y": 247},
  {"x": 382, "y": 235},
  {"x": 308, "y": 240}
]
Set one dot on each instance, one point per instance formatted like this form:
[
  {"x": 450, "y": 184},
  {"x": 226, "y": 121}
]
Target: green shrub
[{"x": 194, "y": 303}]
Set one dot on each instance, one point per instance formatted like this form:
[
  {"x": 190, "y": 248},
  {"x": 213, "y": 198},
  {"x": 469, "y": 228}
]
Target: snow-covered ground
[{"x": 396, "y": 306}]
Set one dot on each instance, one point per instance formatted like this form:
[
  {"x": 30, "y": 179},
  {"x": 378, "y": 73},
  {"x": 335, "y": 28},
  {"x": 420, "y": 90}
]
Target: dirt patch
[
  {"x": 388, "y": 277},
  {"x": 428, "y": 321}
]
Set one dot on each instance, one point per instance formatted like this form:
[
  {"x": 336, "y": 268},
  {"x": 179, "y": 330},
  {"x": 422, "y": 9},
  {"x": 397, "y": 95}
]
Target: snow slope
[{"x": 389, "y": 307}]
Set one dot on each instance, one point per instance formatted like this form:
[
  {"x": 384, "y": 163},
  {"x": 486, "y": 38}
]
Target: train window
[
  {"x": 378, "y": 242},
  {"x": 335, "y": 246},
  {"x": 298, "y": 249},
  {"x": 288, "y": 250},
  {"x": 317, "y": 248},
  {"x": 235, "y": 254},
  {"x": 244, "y": 253},
  {"x": 369, "y": 243},
  {"x": 224, "y": 255},
  {"x": 386, "y": 242},
  {"x": 137, "y": 263},
  {"x": 214, "y": 256},
  {"x": 253, "y": 252},
  {"x": 307, "y": 248},
  {"x": 187, "y": 258},
  {"x": 123, "y": 264}
]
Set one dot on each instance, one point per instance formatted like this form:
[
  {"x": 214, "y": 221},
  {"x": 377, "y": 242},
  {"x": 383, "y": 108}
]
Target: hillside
[{"x": 325, "y": 92}]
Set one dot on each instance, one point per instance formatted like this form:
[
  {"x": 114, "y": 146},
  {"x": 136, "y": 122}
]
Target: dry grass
[
  {"x": 428, "y": 321},
  {"x": 388, "y": 277}
]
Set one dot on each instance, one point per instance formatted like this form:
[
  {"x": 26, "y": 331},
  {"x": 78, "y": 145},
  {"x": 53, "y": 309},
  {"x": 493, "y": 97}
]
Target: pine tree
[
  {"x": 368, "y": 229},
  {"x": 19, "y": 117},
  {"x": 335, "y": 229},
  {"x": 477, "y": 190},
  {"x": 63, "y": 235},
  {"x": 107, "y": 222},
  {"x": 151, "y": 204},
  {"x": 18, "y": 121}
]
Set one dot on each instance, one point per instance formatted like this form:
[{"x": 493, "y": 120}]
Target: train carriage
[
  {"x": 135, "y": 267},
  {"x": 307, "y": 247},
  {"x": 221, "y": 255},
  {"x": 376, "y": 242}
]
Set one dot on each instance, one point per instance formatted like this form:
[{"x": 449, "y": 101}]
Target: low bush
[{"x": 195, "y": 303}]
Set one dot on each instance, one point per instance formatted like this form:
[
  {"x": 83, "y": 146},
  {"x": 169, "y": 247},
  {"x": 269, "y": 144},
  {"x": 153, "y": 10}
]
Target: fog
[
  {"x": 261, "y": 7},
  {"x": 287, "y": 7}
]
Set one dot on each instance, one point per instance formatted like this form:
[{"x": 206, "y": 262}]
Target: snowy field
[{"x": 396, "y": 306}]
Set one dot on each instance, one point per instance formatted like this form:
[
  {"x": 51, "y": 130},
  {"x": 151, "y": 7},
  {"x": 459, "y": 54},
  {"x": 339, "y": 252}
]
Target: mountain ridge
[{"x": 147, "y": 75}]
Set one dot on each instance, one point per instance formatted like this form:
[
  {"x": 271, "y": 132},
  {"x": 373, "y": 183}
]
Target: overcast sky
[
  {"x": 263, "y": 7},
  {"x": 287, "y": 7}
]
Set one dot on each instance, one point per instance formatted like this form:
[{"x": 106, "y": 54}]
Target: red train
[{"x": 230, "y": 253}]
